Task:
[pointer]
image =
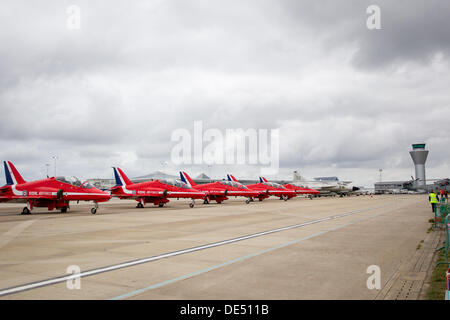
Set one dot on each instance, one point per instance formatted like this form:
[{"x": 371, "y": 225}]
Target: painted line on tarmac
[
  {"x": 196, "y": 273},
  {"x": 52, "y": 281}
]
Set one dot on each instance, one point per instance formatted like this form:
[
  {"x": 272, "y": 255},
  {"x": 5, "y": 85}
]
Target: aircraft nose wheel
[
  {"x": 191, "y": 205},
  {"x": 26, "y": 211},
  {"x": 247, "y": 201},
  {"x": 93, "y": 210}
]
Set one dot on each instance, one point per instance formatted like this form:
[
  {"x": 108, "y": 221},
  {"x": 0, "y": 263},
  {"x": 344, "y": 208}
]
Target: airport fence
[
  {"x": 441, "y": 212},
  {"x": 446, "y": 246}
]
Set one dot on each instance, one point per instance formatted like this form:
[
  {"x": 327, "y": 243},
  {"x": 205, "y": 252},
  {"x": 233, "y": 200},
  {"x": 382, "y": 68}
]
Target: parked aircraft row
[{"x": 58, "y": 192}]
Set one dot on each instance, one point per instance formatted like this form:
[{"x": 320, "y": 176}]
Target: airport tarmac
[{"x": 296, "y": 249}]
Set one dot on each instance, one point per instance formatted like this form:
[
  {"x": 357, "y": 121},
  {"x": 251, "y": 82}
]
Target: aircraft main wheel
[
  {"x": 260, "y": 199},
  {"x": 64, "y": 210},
  {"x": 161, "y": 205},
  {"x": 139, "y": 205},
  {"x": 205, "y": 201},
  {"x": 247, "y": 201},
  {"x": 191, "y": 205},
  {"x": 26, "y": 211},
  {"x": 93, "y": 210}
]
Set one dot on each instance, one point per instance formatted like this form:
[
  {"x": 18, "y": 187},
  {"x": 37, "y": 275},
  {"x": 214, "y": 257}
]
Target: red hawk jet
[
  {"x": 220, "y": 190},
  {"x": 157, "y": 191},
  {"x": 300, "y": 190},
  {"x": 53, "y": 193},
  {"x": 266, "y": 189}
]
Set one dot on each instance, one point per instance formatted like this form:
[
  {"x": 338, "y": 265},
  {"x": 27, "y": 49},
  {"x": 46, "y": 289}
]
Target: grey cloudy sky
[{"x": 347, "y": 100}]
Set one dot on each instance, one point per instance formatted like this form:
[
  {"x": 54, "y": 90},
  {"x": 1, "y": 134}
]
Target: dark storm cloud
[
  {"x": 112, "y": 92},
  {"x": 411, "y": 30}
]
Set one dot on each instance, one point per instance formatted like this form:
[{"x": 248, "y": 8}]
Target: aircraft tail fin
[
  {"x": 186, "y": 179},
  {"x": 121, "y": 177},
  {"x": 13, "y": 176},
  {"x": 231, "y": 178},
  {"x": 262, "y": 179}
]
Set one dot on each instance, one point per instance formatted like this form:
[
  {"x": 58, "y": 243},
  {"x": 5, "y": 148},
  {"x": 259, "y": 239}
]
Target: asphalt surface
[{"x": 296, "y": 249}]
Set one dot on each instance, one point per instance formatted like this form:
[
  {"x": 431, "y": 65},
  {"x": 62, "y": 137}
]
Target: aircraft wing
[
  {"x": 216, "y": 192},
  {"x": 141, "y": 193},
  {"x": 156, "y": 193},
  {"x": 26, "y": 197}
]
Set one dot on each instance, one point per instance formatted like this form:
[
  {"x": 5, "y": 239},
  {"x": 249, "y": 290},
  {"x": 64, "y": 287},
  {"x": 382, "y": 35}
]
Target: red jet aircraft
[
  {"x": 53, "y": 193},
  {"x": 157, "y": 191},
  {"x": 220, "y": 190},
  {"x": 267, "y": 189},
  {"x": 300, "y": 190}
]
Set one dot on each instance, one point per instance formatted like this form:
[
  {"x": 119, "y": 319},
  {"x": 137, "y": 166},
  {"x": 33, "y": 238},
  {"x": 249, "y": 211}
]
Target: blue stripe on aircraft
[
  {"x": 116, "y": 175},
  {"x": 9, "y": 180}
]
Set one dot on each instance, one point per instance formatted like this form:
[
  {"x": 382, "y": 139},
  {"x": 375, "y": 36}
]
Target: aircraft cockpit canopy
[
  {"x": 275, "y": 185},
  {"x": 74, "y": 181},
  {"x": 234, "y": 184},
  {"x": 176, "y": 183}
]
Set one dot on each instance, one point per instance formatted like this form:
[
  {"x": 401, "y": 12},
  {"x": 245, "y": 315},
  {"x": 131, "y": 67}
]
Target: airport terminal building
[{"x": 392, "y": 187}]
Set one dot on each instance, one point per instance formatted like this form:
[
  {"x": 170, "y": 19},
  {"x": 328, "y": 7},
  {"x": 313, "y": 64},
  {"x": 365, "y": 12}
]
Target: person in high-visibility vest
[{"x": 433, "y": 198}]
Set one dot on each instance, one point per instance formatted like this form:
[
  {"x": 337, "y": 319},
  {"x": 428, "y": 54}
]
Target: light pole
[
  {"x": 55, "y": 158},
  {"x": 47, "y": 165},
  {"x": 381, "y": 170}
]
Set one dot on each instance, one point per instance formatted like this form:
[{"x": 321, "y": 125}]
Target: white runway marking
[
  {"x": 34, "y": 285},
  {"x": 255, "y": 254}
]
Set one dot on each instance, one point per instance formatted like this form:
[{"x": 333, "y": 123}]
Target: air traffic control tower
[{"x": 419, "y": 157}]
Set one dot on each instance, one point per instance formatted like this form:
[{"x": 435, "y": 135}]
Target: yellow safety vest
[{"x": 433, "y": 198}]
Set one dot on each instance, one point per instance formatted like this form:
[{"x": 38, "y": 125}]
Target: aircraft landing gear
[
  {"x": 247, "y": 201},
  {"x": 94, "y": 209},
  {"x": 191, "y": 205},
  {"x": 139, "y": 205},
  {"x": 63, "y": 209},
  {"x": 285, "y": 198},
  {"x": 26, "y": 211},
  {"x": 205, "y": 201},
  {"x": 161, "y": 204}
]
